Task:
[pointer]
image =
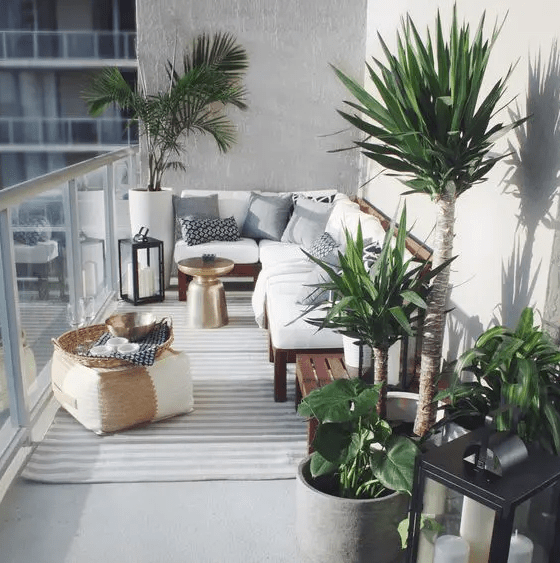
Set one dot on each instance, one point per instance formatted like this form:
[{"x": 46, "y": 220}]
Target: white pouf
[{"x": 107, "y": 400}]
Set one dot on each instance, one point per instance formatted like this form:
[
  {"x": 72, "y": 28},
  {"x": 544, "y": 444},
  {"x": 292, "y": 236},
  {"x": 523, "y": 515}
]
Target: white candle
[
  {"x": 451, "y": 549},
  {"x": 129, "y": 285},
  {"x": 434, "y": 505},
  {"x": 477, "y": 524},
  {"x": 520, "y": 549},
  {"x": 89, "y": 278}
]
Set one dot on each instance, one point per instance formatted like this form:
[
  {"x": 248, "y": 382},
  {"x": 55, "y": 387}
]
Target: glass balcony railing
[
  {"x": 58, "y": 246},
  {"x": 18, "y": 44},
  {"x": 70, "y": 131}
]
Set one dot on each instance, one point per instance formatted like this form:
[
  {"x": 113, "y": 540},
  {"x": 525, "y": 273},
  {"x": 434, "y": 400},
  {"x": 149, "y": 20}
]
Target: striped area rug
[{"x": 236, "y": 431}]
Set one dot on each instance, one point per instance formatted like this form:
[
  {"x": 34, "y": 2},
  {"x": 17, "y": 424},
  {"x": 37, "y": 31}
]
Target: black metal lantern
[
  {"x": 486, "y": 494},
  {"x": 141, "y": 278}
]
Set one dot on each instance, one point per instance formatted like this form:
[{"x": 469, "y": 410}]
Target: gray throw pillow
[
  {"x": 267, "y": 216},
  {"x": 307, "y": 222},
  {"x": 203, "y": 207}
]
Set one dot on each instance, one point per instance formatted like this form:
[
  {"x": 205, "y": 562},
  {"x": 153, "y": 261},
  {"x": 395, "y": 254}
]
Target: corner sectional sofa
[{"x": 264, "y": 234}]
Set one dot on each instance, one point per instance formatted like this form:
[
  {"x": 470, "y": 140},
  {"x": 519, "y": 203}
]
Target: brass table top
[{"x": 206, "y": 268}]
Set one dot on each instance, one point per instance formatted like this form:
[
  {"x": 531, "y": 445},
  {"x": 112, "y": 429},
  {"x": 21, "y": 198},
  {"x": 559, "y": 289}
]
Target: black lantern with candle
[
  {"x": 488, "y": 493},
  {"x": 141, "y": 277}
]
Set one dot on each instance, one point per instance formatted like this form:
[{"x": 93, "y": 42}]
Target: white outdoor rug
[{"x": 236, "y": 431}]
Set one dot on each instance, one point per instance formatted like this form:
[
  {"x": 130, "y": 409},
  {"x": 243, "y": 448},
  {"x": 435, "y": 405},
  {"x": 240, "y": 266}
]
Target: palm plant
[
  {"x": 517, "y": 368},
  {"x": 429, "y": 126},
  {"x": 378, "y": 307},
  {"x": 193, "y": 101}
]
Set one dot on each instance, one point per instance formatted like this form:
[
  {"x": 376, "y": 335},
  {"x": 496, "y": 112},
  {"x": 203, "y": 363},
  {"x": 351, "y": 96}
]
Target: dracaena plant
[
  {"x": 193, "y": 100},
  {"x": 429, "y": 124},
  {"x": 380, "y": 305},
  {"x": 355, "y": 445},
  {"x": 516, "y": 369}
]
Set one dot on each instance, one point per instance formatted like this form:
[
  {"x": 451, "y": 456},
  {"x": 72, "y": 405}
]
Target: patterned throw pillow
[
  {"x": 326, "y": 196},
  {"x": 323, "y": 247},
  {"x": 371, "y": 253},
  {"x": 40, "y": 232},
  {"x": 196, "y": 230}
]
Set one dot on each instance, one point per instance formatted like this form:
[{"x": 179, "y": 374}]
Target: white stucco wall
[
  {"x": 292, "y": 91},
  {"x": 488, "y": 228}
]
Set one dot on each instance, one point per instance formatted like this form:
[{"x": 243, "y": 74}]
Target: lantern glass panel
[{"x": 141, "y": 270}]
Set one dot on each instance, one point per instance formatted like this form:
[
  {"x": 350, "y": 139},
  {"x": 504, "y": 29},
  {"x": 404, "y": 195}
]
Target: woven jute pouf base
[{"x": 126, "y": 397}]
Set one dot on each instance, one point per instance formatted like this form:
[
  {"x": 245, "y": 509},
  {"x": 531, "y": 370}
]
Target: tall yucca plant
[
  {"x": 430, "y": 126},
  {"x": 192, "y": 101}
]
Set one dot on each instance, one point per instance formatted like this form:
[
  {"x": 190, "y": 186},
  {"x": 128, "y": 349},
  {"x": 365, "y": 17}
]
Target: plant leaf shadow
[{"x": 532, "y": 178}]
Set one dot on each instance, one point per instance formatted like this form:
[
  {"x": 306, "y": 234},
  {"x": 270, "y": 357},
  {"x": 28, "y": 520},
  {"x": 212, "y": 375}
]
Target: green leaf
[
  {"x": 394, "y": 467},
  {"x": 320, "y": 466}
]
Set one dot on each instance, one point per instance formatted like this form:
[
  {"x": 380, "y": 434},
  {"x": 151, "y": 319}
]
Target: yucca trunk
[
  {"x": 380, "y": 363},
  {"x": 434, "y": 322}
]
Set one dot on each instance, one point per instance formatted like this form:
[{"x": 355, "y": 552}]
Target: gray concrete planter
[{"x": 331, "y": 529}]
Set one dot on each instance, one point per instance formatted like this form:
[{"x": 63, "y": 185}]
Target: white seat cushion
[
  {"x": 40, "y": 253},
  {"x": 243, "y": 251},
  {"x": 281, "y": 296},
  {"x": 273, "y": 252}
]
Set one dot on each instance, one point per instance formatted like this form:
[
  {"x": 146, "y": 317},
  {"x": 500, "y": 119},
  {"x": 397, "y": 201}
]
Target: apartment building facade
[{"x": 48, "y": 48}]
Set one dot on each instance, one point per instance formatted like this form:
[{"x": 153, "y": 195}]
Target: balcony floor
[{"x": 198, "y": 522}]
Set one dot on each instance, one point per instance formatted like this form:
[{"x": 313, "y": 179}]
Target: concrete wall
[
  {"x": 292, "y": 91},
  {"x": 506, "y": 226}
]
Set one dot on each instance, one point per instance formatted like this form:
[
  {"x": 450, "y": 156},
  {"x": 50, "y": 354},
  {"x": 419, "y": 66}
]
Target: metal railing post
[
  {"x": 110, "y": 225},
  {"x": 11, "y": 325},
  {"x": 73, "y": 250}
]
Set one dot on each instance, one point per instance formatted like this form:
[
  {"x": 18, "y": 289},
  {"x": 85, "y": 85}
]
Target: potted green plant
[
  {"x": 429, "y": 124},
  {"x": 519, "y": 368},
  {"x": 193, "y": 100},
  {"x": 352, "y": 492},
  {"x": 377, "y": 306}
]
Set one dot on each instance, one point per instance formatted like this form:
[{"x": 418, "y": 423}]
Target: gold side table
[{"x": 206, "y": 298}]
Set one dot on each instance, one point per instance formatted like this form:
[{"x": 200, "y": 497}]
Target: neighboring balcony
[
  {"x": 65, "y": 134},
  {"x": 67, "y": 49}
]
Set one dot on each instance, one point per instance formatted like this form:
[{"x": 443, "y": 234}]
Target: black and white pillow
[
  {"x": 371, "y": 253},
  {"x": 324, "y": 247},
  {"x": 322, "y": 196},
  {"x": 37, "y": 230},
  {"x": 197, "y": 230}
]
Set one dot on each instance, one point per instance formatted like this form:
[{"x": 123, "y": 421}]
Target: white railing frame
[
  {"x": 10, "y": 322},
  {"x": 65, "y": 36}
]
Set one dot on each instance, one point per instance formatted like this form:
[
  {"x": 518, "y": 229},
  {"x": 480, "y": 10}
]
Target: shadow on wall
[
  {"x": 462, "y": 331},
  {"x": 533, "y": 179}
]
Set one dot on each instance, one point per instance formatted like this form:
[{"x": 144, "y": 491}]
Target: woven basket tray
[{"x": 69, "y": 343}]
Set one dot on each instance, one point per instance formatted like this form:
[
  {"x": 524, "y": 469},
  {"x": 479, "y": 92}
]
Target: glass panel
[
  {"x": 40, "y": 234},
  {"x": 20, "y": 45},
  {"x": 27, "y": 131},
  {"x": 4, "y": 402},
  {"x": 535, "y": 522},
  {"x": 84, "y": 131},
  {"x": 49, "y": 45},
  {"x": 4, "y": 132},
  {"x": 54, "y": 131},
  {"x": 452, "y": 514},
  {"x": 80, "y": 45},
  {"x": 106, "y": 45}
]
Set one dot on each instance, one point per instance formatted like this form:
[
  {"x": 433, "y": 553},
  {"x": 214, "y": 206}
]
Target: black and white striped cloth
[{"x": 149, "y": 345}]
